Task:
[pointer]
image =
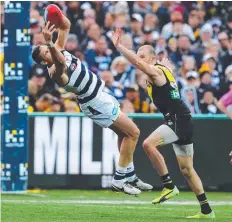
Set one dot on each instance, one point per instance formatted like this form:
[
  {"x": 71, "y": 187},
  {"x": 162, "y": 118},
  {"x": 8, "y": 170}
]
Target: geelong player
[
  {"x": 178, "y": 127},
  {"x": 68, "y": 71}
]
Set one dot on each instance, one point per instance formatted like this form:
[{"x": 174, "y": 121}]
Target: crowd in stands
[{"x": 196, "y": 37}]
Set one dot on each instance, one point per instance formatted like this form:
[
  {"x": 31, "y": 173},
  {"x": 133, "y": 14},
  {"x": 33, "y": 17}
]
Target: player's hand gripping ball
[{"x": 54, "y": 15}]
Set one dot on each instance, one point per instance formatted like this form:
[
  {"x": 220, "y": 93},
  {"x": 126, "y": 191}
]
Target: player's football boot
[
  {"x": 203, "y": 216},
  {"x": 126, "y": 188},
  {"x": 166, "y": 194},
  {"x": 141, "y": 185}
]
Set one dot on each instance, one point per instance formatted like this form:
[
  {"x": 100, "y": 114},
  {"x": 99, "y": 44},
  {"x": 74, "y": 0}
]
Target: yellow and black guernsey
[{"x": 167, "y": 98}]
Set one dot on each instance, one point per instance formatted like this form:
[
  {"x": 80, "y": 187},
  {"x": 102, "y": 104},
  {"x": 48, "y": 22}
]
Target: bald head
[
  {"x": 147, "y": 54},
  {"x": 148, "y": 48}
]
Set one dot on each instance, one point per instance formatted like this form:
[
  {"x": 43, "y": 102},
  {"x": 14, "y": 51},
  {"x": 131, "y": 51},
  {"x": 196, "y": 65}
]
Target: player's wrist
[{"x": 50, "y": 44}]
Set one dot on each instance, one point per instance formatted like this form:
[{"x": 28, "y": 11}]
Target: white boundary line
[{"x": 112, "y": 202}]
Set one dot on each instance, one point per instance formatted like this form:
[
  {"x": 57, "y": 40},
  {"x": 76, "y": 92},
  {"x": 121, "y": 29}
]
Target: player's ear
[{"x": 153, "y": 59}]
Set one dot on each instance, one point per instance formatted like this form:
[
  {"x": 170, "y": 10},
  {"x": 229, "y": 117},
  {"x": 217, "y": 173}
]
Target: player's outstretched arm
[
  {"x": 59, "y": 60},
  {"x": 63, "y": 32},
  {"x": 150, "y": 70},
  {"x": 223, "y": 109}
]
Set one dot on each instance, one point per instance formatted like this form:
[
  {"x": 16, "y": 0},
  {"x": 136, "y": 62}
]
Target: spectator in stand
[
  {"x": 123, "y": 72},
  {"x": 213, "y": 48},
  {"x": 132, "y": 94},
  {"x": 193, "y": 80},
  {"x": 108, "y": 21},
  {"x": 205, "y": 79},
  {"x": 127, "y": 41},
  {"x": 142, "y": 8},
  {"x": 111, "y": 88},
  {"x": 34, "y": 26},
  {"x": 211, "y": 62},
  {"x": 162, "y": 11},
  {"x": 177, "y": 25},
  {"x": 206, "y": 35},
  {"x": 208, "y": 104},
  {"x": 38, "y": 39},
  {"x": 36, "y": 84},
  {"x": 151, "y": 21},
  {"x": 224, "y": 42},
  {"x": 188, "y": 64},
  {"x": 55, "y": 105},
  {"x": 127, "y": 106},
  {"x": 229, "y": 24},
  {"x": 194, "y": 21},
  {"x": 202, "y": 12},
  {"x": 71, "y": 44},
  {"x": 160, "y": 53},
  {"x": 189, "y": 96},
  {"x": 43, "y": 104},
  {"x": 82, "y": 26},
  {"x": 93, "y": 34},
  {"x": 71, "y": 107},
  {"x": 227, "y": 58},
  {"x": 122, "y": 21},
  {"x": 161, "y": 42},
  {"x": 184, "y": 49},
  {"x": 172, "y": 45},
  {"x": 147, "y": 37},
  {"x": 98, "y": 59},
  {"x": 136, "y": 29}
]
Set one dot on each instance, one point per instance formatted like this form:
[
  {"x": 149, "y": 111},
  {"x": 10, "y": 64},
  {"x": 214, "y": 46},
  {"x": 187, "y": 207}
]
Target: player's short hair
[
  {"x": 150, "y": 49},
  {"x": 36, "y": 54}
]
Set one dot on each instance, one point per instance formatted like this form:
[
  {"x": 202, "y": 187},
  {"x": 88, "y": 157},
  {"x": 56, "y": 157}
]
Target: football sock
[
  {"x": 119, "y": 177},
  {"x": 167, "y": 181},
  {"x": 205, "y": 208},
  {"x": 130, "y": 172}
]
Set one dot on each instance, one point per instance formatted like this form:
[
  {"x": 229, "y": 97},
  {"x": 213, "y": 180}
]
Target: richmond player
[{"x": 178, "y": 127}]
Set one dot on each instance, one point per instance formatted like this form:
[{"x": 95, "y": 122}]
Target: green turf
[{"x": 63, "y": 206}]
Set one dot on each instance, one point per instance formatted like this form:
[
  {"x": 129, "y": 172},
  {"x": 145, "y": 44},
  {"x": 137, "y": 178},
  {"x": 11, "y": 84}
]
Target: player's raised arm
[
  {"x": 63, "y": 32},
  {"x": 57, "y": 72},
  {"x": 57, "y": 56},
  {"x": 148, "y": 69}
]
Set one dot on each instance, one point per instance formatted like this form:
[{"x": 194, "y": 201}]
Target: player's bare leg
[
  {"x": 128, "y": 136},
  {"x": 187, "y": 170},
  {"x": 131, "y": 176},
  {"x": 150, "y": 146}
]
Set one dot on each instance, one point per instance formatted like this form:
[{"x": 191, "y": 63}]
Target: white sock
[
  {"x": 130, "y": 172},
  {"x": 119, "y": 177}
]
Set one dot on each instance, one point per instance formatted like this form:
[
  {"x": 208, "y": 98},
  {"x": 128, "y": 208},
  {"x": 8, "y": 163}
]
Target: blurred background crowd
[{"x": 196, "y": 36}]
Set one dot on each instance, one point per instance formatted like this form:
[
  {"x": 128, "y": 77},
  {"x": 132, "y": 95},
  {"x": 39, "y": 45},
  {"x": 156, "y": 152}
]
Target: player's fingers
[
  {"x": 51, "y": 28},
  {"x": 54, "y": 30},
  {"x": 47, "y": 25}
]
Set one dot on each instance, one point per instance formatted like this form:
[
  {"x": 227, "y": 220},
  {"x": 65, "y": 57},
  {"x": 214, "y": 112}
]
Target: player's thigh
[
  {"x": 184, "y": 155},
  {"x": 124, "y": 125},
  {"x": 161, "y": 136}
]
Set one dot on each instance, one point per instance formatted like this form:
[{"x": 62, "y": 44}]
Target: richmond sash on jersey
[{"x": 84, "y": 83}]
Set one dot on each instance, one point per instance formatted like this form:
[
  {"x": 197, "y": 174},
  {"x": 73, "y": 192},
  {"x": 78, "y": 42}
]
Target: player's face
[
  {"x": 146, "y": 56},
  {"x": 45, "y": 54}
]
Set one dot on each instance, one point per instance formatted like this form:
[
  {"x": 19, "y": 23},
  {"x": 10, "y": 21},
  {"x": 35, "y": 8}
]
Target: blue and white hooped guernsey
[{"x": 84, "y": 83}]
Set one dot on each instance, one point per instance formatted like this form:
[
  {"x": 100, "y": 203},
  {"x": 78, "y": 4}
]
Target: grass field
[{"x": 76, "y": 205}]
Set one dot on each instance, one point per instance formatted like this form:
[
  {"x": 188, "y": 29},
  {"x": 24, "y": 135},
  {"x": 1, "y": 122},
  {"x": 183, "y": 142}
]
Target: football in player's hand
[{"x": 54, "y": 15}]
